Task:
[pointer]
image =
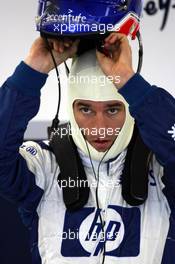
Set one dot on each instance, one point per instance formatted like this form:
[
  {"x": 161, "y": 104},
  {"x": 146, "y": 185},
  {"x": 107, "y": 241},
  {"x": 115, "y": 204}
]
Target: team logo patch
[
  {"x": 84, "y": 236},
  {"x": 31, "y": 150}
]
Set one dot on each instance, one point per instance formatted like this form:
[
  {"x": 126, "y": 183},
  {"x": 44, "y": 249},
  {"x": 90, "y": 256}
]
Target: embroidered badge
[{"x": 172, "y": 132}]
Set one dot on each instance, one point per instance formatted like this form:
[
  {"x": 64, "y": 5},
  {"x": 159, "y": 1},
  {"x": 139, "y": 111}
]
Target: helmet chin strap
[
  {"x": 140, "y": 62},
  {"x": 56, "y": 121}
]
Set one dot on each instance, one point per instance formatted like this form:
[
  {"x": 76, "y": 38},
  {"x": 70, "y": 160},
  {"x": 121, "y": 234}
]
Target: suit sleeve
[
  {"x": 153, "y": 109},
  {"x": 19, "y": 103}
]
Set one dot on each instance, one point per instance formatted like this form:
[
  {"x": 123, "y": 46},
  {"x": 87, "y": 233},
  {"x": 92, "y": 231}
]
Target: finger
[
  {"x": 67, "y": 42},
  {"x": 40, "y": 41},
  {"x": 113, "y": 50},
  {"x": 67, "y": 45},
  {"x": 119, "y": 35},
  {"x": 116, "y": 54},
  {"x": 102, "y": 58},
  {"x": 111, "y": 42},
  {"x": 114, "y": 37},
  {"x": 73, "y": 49},
  {"x": 122, "y": 50},
  {"x": 110, "y": 36},
  {"x": 117, "y": 43},
  {"x": 58, "y": 46}
]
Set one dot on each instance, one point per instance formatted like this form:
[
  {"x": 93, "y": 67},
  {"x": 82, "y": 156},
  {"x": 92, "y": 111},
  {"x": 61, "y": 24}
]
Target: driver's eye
[{"x": 85, "y": 110}]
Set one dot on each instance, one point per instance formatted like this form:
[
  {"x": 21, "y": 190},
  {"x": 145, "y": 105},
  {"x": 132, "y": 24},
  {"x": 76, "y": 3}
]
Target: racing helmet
[{"x": 88, "y": 17}]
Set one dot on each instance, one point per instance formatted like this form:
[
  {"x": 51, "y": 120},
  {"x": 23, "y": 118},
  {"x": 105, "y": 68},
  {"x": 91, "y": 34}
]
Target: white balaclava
[{"x": 88, "y": 82}]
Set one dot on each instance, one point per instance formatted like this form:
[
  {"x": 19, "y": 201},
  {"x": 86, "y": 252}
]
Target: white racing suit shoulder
[{"x": 41, "y": 162}]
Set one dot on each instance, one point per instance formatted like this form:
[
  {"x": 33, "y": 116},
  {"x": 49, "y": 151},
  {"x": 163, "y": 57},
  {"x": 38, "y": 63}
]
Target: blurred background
[{"x": 17, "y": 20}]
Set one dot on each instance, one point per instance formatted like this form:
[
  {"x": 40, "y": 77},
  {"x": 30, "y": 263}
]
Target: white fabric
[
  {"x": 88, "y": 82},
  {"x": 153, "y": 215}
]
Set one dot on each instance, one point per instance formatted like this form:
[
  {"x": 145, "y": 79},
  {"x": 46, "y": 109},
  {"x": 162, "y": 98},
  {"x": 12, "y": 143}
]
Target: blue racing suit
[{"x": 28, "y": 175}]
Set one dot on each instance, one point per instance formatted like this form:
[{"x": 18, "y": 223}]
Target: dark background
[{"x": 14, "y": 241}]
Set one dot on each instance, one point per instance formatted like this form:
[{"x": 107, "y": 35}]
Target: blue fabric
[
  {"x": 169, "y": 252},
  {"x": 130, "y": 247},
  {"x": 169, "y": 192},
  {"x": 135, "y": 89},
  {"x": 27, "y": 80},
  {"x": 33, "y": 232},
  {"x": 153, "y": 109},
  {"x": 14, "y": 238},
  {"x": 44, "y": 146},
  {"x": 19, "y": 100}
]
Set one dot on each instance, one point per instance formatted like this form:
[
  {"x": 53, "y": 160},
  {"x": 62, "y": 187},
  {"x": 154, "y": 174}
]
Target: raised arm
[
  {"x": 19, "y": 101},
  {"x": 152, "y": 107}
]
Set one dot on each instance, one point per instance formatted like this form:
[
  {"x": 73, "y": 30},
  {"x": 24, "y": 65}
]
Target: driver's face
[{"x": 100, "y": 122}]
